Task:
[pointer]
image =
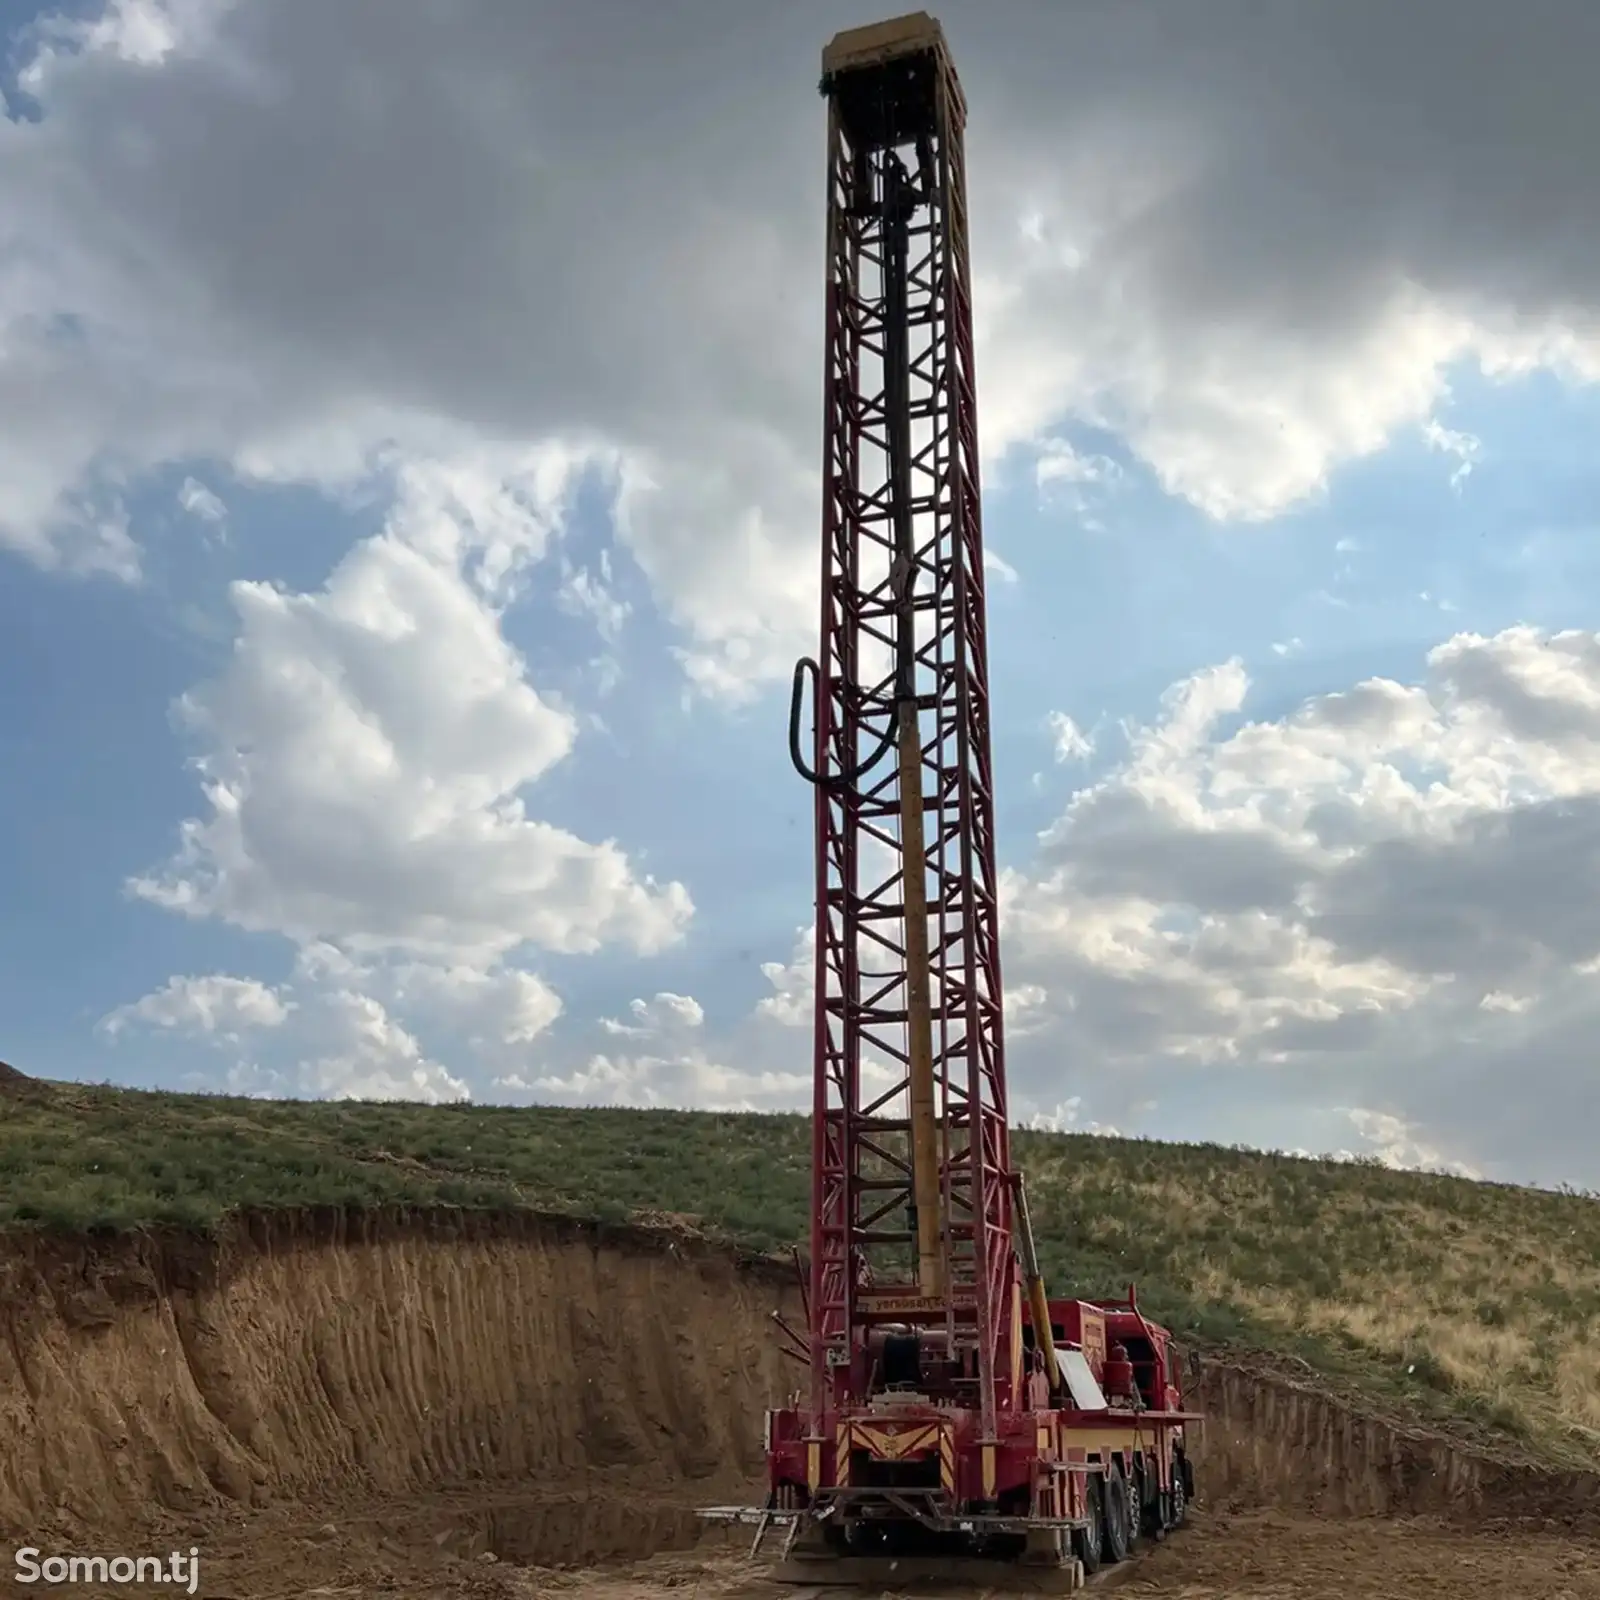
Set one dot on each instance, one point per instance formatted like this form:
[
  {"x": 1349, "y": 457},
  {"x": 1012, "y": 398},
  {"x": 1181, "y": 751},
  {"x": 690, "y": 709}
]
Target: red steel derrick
[
  {"x": 911, "y": 1152},
  {"x": 955, "y": 1411}
]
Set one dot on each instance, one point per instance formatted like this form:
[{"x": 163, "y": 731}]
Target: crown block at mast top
[{"x": 878, "y": 107}]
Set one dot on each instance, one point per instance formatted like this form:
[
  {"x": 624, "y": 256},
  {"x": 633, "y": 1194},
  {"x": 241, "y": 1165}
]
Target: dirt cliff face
[
  {"x": 539, "y": 1388},
  {"x": 1272, "y": 1440},
  {"x": 324, "y": 1358}
]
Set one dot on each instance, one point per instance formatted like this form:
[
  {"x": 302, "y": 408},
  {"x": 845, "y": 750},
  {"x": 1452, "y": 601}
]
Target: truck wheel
[
  {"x": 1086, "y": 1541},
  {"x": 1115, "y": 1519},
  {"x": 1155, "y": 1525},
  {"x": 1180, "y": 1493},
  {"x": 1133, "y": 1487}
]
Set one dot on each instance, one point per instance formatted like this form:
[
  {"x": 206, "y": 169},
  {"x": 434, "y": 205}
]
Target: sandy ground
[
  {"x": 1262, "y": 1558},
  {"x": 1232, "y": 1558},
  {"x": 1267, "y": 1556}
]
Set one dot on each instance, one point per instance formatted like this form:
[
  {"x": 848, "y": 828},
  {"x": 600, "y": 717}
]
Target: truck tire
[
  {"x": 1086, "y": 1542},
  {"x": 1150, "y": 1502},
  {"x": 1182, "y": 1478},
  {"x": 1115, "y": 1517}
]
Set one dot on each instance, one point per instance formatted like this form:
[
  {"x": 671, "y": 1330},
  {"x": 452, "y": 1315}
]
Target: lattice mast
[{"x": 912, "y": 1176}]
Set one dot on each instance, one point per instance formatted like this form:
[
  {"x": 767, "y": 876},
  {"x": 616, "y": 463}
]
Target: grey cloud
[
  {"x": 1121, "y": 844},
  {"x": 1338, "y": 824},
  {"x": 1374, "y": 708},
  {"x": 1429, "y": 952},
  {"x": 1485, "y": 671},
  {"x": 1129, "y": 1017},
  {"x": 1503, "y": 892},
  {"x": 1344, "y": 1035},
  {"x": 385, "y": 219},
  {"x": 1345, "y": 142},
  {"x": 1513, "y": 1096}
]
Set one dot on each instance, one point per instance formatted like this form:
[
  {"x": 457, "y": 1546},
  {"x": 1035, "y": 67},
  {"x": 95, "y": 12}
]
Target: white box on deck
[{"x": 1080, "y": 1381}]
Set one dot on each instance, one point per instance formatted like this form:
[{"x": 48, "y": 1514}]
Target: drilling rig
[{"x": 954, "y": 1414}]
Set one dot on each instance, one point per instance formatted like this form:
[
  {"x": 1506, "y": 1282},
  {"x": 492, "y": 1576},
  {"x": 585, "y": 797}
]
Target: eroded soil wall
[
  {"x": 1273, "y": 1441},
  {"x": 472, "y": 1379},
  {"x": 325, "y": 1357}
]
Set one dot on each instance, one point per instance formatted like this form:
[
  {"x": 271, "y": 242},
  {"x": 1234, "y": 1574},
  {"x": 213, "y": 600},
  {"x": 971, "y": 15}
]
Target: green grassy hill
[{"x": 1474, "y": 1305}]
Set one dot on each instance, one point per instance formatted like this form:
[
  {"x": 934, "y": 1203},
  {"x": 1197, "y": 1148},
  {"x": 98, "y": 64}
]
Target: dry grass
[
  {"x": 1463, "y": 1301},
  {"x": 1469, "y": 1299}
]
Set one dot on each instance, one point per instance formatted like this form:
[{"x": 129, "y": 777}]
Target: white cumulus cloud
[
  {"x": 794, "y": 983},
  {"x": 346, "y": 1030},
  {"x": 211, "y": 1004},
  {"x": 665, "y": 1012},
  {"x": 364, "y": 755},
  {"x": 1391, "y": 883}
]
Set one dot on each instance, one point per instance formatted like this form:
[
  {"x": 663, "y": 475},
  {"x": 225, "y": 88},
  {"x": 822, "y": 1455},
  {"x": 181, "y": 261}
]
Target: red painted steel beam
[{"x": 900, "y": 475}]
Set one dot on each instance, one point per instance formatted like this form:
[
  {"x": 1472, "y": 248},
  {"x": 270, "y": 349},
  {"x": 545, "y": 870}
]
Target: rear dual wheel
[
  {"x": 1116, "y": 1509},
  {"x": 1151, "y": 1522},
  {"x": 1086, "y": 1542},
  {"x": 1180, "y": 1493},
  {"x": 1116, "y": 1523}
]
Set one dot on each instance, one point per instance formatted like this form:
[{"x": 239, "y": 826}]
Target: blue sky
[{"x": 1313, "y": 479}]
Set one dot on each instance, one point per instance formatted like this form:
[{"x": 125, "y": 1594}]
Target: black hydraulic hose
[
  {"x": 899, "y": 199},
  {"x": 839, "y": 780}
]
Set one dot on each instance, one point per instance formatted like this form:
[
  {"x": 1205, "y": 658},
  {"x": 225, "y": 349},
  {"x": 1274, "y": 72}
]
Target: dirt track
[
  {"x": 453, "y": 1406},
  {"x": 1261, "y": 1556}
]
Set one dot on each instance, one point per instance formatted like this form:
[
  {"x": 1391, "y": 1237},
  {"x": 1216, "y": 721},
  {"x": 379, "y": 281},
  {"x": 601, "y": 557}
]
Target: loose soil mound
[{"x": 440, "y": 1386}]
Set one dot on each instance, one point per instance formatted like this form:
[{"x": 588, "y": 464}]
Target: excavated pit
[
  {"x": 437, "y": 1387},
  {"x": 560, "y": 1393}
]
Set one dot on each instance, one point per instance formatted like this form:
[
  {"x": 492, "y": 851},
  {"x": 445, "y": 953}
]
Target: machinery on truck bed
[{"x": 954, "y": 1412}]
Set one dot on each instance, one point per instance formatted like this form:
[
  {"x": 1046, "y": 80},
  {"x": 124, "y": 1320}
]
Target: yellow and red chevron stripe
[{"x": 896, "y": 1441}]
